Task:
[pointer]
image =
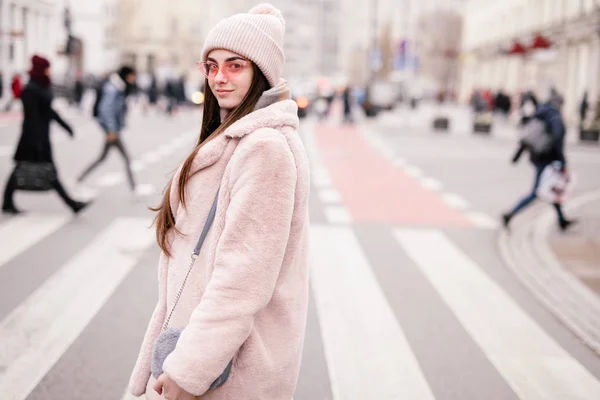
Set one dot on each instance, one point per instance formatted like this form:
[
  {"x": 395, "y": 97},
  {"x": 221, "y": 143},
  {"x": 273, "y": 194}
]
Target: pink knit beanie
[{"x": 256, "y": 35}]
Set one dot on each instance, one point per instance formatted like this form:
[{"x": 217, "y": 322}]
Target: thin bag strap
[{"x": 195, "y": 253}]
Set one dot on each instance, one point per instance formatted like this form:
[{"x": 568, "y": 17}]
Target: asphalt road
[{"x": 409, "y": 296}]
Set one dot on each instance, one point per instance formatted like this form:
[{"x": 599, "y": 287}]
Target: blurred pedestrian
[
  {"x": 529, "y": 104},
  {"x": 111, "y": 113},
  {"x": 248, "y": 290},
  {"x": 153, "y": 91},
  {"x": 33, "y": 157},
  {"x": 78, "y": 90},
  {"x": 347, "y": 99},
  {"x": 549, "y": 114},
  {"x": 180, "y": 90},
  {"x": 16, "y": 89},
  {"x": 583, "y": 109},
  {"x": 478, "y": 102},
  {"x": 502, "y": 102}
]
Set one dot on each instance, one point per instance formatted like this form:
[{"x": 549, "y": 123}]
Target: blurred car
[
  {"x": 304, "y": 94},
  {"x": 383, "y": 95},
  {"x": 304, "y": 106}
]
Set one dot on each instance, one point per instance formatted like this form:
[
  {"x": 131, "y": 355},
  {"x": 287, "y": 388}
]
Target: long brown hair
[{"x": 211, "y": 128}]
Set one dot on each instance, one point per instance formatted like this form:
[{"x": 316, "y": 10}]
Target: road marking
[
  {"x": 165, "y": 151},
  {"x": 321, "y": 178},
  {"x": 19, "y": 233},
  {"x": 456, "y": 201},
  {"x": 387, "y": 153},
  {"x": 482, "y": 220},
  {"x": 356, "y": 318},
  {"x": 431, "y": 184},
  {"x": 399, "y": 162},
  {"x": 413, "y": 172},
  {"x": 36, "y": 334},
  {"x": 145, "y": 189},
  {"x": 110, "y": 179},
  {"x": 338, "y": 215},
  {"x": 128, "y": 396},
  {"x": 151, "y": 157},
  {"x": 330, "y": 196},
  {"x": 531, "y": 362},
  {"x": 138, "y": 165}
]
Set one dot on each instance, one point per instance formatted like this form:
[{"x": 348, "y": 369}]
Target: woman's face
[{"x": 229, "y": 77}]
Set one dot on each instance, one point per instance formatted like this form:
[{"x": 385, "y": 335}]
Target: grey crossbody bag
[{"x": 167, "y": 340}]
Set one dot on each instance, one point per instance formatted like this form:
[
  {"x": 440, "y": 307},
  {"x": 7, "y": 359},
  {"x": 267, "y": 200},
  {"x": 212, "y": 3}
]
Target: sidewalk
[
  {"x": 461, "y": 117},
  {"x": 561, "y": 269},
  {"x": 578, "y": 250}
]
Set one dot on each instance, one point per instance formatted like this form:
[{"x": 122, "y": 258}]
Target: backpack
[
  {"x": 99, "y": 91},
  {"x": 536, "y": 138}
]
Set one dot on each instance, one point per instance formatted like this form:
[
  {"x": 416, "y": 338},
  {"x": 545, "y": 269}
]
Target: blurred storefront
[
  {"x": 26, "y": 27},
  {"x": 522, "y": 45}
]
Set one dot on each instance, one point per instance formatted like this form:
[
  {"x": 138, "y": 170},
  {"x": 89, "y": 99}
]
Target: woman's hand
[{"x": 167, "y": 387}]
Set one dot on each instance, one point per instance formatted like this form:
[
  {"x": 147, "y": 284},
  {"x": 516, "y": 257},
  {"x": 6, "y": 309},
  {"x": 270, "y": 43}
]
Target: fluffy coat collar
[{"x": 277, "y": 112}]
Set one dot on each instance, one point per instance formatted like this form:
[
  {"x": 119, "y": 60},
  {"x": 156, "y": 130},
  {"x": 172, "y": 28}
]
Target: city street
[{"x": 411, "y": 294}]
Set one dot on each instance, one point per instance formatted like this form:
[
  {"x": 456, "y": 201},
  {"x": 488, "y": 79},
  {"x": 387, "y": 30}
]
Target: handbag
[
  {"x": 555, "y": 185},
  {"x": 35, "y": 176},
  {"x": 167, "y": 340}
]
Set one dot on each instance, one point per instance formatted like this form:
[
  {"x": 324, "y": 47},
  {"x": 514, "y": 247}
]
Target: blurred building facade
[
  {"x": 26, "y": 27},
  {"x": 167, "y": 38},
  {"x": 88, "y": 45},
  {"x": 438, "y": 40},
  {"x": 518, "y": 45}
]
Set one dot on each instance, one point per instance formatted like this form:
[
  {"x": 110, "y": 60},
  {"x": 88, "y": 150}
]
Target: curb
[{"x": 526, "y": 252}]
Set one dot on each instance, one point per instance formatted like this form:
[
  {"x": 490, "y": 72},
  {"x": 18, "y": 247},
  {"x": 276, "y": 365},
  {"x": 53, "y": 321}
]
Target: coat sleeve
[
  {"x": 61, "y": 122},
  {"x": 141, "y": 371},
  {"x": 248, "y": 258}
]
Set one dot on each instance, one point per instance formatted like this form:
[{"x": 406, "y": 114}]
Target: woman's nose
[{"x": 220, "y": 77}]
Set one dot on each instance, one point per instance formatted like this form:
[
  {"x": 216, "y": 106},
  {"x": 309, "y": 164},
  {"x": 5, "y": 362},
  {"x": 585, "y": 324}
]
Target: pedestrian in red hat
[{"x": 35, "y": 169}]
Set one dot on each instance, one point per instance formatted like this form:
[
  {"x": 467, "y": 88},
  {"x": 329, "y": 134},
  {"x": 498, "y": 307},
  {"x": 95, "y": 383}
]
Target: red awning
[
  {"x": 540, "y": 42},
  {"x": 517, "y": 48}
]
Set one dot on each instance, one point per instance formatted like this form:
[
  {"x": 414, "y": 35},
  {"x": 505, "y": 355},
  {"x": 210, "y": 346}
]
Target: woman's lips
[{"x": 222, "y": 92}]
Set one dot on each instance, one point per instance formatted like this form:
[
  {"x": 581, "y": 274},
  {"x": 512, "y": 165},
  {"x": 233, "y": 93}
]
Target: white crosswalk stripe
[
  {"x": 532, "y": 363},
  {"x": 365, "y": 348},
  {"x": 37, "y": 333},
  {"x": 19, "y": 233},
  {"x": 363, "y": 324}
]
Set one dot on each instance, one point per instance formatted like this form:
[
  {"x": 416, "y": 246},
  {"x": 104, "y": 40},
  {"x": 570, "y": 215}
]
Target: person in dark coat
[
  {"x": 583, "y": 109},
  {"x": 347, "y": 99},
  {"x": 78, "y": 91},
  {"x": 549, "y": 114},
  {"x": 34, "y": 144}
]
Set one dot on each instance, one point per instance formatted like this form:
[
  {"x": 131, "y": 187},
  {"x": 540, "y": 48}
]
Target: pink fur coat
[{"x": 246, "y": 298}]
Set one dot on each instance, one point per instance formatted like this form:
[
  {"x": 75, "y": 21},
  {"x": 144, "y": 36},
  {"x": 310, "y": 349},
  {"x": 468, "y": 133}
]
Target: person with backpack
[
  {"x": 110, "y": 110},
  {"x": 545, "y": 142}
]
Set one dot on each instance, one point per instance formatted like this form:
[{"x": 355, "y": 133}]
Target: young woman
[{"x": 245, "y": 299}]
